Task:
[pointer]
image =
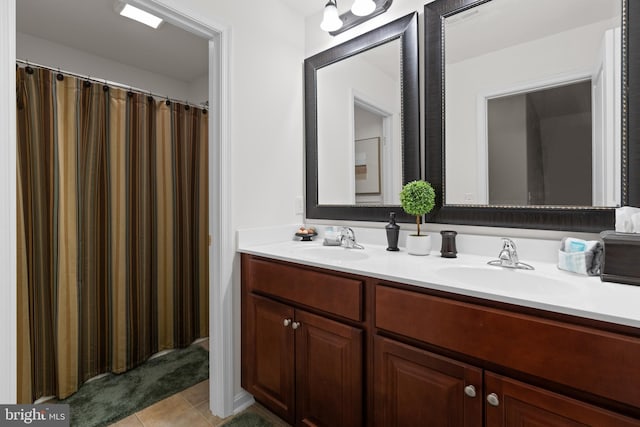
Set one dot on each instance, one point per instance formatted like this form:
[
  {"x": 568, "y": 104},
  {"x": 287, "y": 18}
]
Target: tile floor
[{"x": 189, "y": 408}]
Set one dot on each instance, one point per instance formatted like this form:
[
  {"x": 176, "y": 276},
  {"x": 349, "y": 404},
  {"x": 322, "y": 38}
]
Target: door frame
[{"x": 8, "y": 241}]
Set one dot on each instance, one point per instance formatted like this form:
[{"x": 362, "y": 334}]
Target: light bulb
[
  {"x": 331, "y": 21},
  {"x": 363, "y": 7}
]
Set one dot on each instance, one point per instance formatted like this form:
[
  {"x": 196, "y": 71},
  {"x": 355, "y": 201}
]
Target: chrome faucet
[
  {"x": 348, "y": 239},
  {"x": 508, "y": 256}
]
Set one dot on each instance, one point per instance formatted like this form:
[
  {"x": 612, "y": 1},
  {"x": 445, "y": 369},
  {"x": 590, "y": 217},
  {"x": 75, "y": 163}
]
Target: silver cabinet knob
[
  {"x": 286, "y": 322},
  {"x": 470, "y": 391},
  {"x": 493, "y": 399},
  {"x": 296, "y": 325}
]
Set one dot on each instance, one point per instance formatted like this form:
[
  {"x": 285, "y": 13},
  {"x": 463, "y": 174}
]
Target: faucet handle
[
  {"x": 508, "y": 244},
  {"x": 510, "y": 247},
  {"x": 347, "y": 231},
  {"x": 348, "y": 239}
]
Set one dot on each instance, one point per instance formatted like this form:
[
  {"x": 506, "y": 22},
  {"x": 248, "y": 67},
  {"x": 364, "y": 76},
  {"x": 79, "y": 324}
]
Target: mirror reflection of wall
[
  {"x": 499, "y": 51},
  {"x": 359, "y": 128}
]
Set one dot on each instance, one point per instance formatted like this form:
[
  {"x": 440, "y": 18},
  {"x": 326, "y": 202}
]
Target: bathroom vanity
[{"x": 395, "y": 340}]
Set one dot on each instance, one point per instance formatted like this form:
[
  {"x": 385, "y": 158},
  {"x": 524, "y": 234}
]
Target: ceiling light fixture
[
  {"x": 331, "y": 21},
  {"x": 363, "y": 7},
  {"x": 140, "y": 15},
  {"x": 361, "y": 11}
]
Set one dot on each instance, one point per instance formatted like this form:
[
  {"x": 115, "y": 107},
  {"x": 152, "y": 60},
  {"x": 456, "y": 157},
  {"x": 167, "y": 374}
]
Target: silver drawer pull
[
  {"x": 493, "y": 399},
  {"x": 470, "y": 391},
  {"x": 296, "y": 325},
  {"x": 286, "y": 322}
]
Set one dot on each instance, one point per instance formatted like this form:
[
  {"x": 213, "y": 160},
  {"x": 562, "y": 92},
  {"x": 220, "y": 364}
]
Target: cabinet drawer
[
  {"x": 595, "y": 361},
  {"x": 327, "y": 292}
]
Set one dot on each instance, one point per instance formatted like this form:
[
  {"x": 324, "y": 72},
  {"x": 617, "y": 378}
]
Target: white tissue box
[
  {"x": 628, "y": 220},
  {"x": 621, "y": 260}
]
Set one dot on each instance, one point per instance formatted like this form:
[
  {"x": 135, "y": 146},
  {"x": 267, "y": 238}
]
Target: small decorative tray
[{"x": 306, "y": 237}]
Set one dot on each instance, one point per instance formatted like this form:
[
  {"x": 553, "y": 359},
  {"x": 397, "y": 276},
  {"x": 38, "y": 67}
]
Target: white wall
[
  {"x": 45, "y": 52},
  {"x": 198, "y": 90}
]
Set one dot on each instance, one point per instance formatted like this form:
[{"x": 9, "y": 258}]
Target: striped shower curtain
[{"x": 112, "y": 230}]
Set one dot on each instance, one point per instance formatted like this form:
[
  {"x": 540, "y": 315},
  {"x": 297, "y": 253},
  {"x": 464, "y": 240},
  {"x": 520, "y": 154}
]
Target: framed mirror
[
  {"x": 362, "y": 124},
  {"x": 531, "y": 117}
]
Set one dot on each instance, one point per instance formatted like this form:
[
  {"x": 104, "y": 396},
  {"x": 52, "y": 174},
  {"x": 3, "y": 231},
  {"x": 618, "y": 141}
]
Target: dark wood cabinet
[
  {"x": 306, "y": 368},
  {"x": 328, "y": 372},
  {"x": 417, "y": 388},
  {"x": 323, "y": 348},
  {"x": 513, "y": 403},
  {"x": 528, "y": 344},
  {"x": 269, "y": 355},
  {"x": 584, "y": 358}
]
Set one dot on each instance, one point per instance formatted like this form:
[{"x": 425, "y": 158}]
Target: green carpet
[
  {"x": 113, "y": 397},
  {"x": 247, "y": 419}
]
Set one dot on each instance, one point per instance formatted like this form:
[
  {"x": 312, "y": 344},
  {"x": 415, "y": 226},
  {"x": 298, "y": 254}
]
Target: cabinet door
[
  {"x": 512, "y": 403},
  {"x": 269, "y": 348},
  {"x": 414, "y": 387},
  {"x": 329, "y": 375}
]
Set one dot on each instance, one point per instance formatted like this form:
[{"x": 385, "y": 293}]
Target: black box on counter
[{"x": 621, "y": 258}]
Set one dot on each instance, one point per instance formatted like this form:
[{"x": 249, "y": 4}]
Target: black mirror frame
[
  {"x": 549, "y": 218},
  {"x": 405, "y": 29}
]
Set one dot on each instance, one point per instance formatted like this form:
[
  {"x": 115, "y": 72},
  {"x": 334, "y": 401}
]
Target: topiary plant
[{"x": 417, "y": 198}]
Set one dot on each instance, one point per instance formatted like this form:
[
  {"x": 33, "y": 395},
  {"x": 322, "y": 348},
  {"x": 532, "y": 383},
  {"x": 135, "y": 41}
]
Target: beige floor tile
[
  {"x": 130, "y": 421},
  {"x": 197, "y": 394},
  {"x": 203, "y": 408},
  {"x": 155, "y": 414},
  {"x": 191, "y": 418}
]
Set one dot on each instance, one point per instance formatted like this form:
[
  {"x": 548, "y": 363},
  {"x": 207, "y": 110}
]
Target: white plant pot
[{"x": 419, "y": 245}]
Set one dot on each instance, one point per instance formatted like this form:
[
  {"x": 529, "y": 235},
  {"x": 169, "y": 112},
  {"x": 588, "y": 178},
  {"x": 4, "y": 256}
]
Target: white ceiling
[
  {"x": 499, "y": 24},
  {"x": 93, "y": 26}
]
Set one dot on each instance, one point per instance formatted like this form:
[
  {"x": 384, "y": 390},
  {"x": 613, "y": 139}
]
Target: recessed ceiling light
[{"x": 140, "y": 15}]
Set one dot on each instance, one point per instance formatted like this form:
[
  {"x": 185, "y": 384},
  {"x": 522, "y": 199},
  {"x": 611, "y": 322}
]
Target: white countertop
[{"x": 544, "y": 288}]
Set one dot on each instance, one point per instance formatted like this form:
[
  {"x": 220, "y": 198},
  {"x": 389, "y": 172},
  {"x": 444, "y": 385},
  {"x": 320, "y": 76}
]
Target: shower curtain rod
[{"x": 204, "y": 105}]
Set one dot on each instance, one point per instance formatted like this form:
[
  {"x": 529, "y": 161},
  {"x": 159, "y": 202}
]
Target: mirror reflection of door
[
  {"x": 372, "y": 153},
  {"x": 540, "y": 147}
]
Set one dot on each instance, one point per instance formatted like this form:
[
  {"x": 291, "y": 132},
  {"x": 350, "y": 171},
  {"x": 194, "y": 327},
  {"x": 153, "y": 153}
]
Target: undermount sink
[
  {"x": 333, "y": 253},
  {"x": 499, "y": 279}
]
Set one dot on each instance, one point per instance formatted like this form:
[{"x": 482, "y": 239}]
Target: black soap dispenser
[{"x": 393, "y": 231}]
